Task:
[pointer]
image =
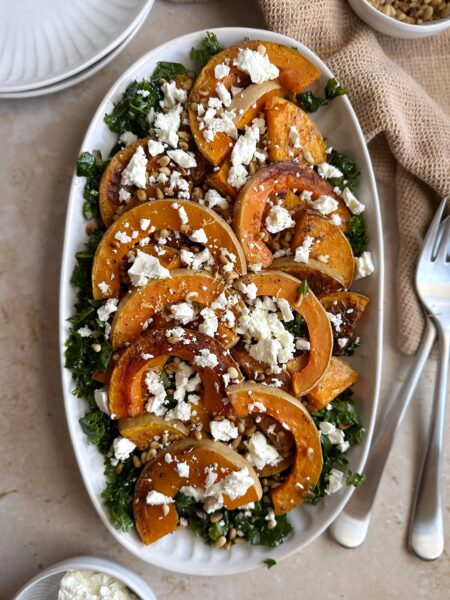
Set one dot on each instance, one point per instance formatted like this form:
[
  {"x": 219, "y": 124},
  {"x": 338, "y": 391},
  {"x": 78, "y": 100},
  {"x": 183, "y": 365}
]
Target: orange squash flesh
[
  {"x": 281, "y": 285},
  {"x": 163, "y": 214},
  {"x": 322, "y": 279},
  {"x": 219, "y": 180},
  {"x": 126, "y": 388},
  {"x": 252, "y": 100},
  {"x": 162, "y": 476},
  {"x": 252, "y": 202},
  {"x": 110, "y": 184},
  {"x": 338, "y": 377},
  {"x": 281, "y": 116},
  {"x": 328, "y": 241},
  {"x": 147, "y": 302},
  {"x": 296, "y": 73},
  {"x": 247, "y": 398},
  {"x": 142, "y": 429},
  {"x": 350, "y": 306}
]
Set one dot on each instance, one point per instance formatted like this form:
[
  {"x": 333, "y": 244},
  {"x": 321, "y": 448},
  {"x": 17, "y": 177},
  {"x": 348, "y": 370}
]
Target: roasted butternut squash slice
[
  {"x": 142, "y": 429},
  {"x": 338, "y": 377},
  {"x": 140, "y": 308},
  {"x": 322, "y": 279},
  {"x": 296, "y": 73},
  {"x": 350, "y": 306},
  {"x": 161, "y": 475},
  {"x": 252, "y": 203},
  {"x": 126, "y": 388},
  {"x": 292, "y": 133},
  {"x": 282, "y": 285},
  {"x": 328, "y": 241},
  {"x": 249, "y": 398},
  {"x": 110, "y": 203},
  {"x": 129, "y": 229},
  {"x": 219, "y": 180},
  {"x": 254, "y": 369}
]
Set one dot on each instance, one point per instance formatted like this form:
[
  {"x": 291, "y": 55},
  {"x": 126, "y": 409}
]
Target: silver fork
[
  {"x": 426, "y": 531},
  {"x": 351, "y": 527}
]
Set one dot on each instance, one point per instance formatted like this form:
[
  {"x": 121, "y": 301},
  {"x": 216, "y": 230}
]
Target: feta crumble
[
  {"x": 364, "y": 265},
  {"x": 155, "y": 498},
  {"x": 258, "y": 66},
  {"x": 146, "y": 267},
  {"x": 278, "y": 219},
  {"x": 206, "y": 359},
  {"x": 302, "y": 252},
  {"x": 135, "y": 173},
  {"x": 223, "y": 431}
]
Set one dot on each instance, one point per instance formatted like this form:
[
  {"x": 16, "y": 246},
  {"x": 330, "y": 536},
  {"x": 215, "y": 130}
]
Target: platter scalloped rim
[{"x": 181, "y": 551}]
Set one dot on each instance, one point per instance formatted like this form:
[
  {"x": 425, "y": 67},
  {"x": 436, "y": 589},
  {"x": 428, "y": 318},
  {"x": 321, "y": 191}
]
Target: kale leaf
[
  {"x": 311, "y": 103},
  {"x": 270, "y": 562},
  {"x": 99, "y": 429},
  {"x": 357, "y": 234},
  {"x": 118, "y": 493},
  {"x": 91, "y": 166},
  {"x": 349, "y": 169},
  {"x": 354, "y": 479},
  {"x": 297, "y": 326},
  {"x": 131, "y": 112},
  {"x": 168, "y": 71},
  {"x": 209, "y": 46}
]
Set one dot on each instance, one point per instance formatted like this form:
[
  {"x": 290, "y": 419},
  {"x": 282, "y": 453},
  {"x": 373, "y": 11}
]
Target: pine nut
[{"x": 220, "y": 542}]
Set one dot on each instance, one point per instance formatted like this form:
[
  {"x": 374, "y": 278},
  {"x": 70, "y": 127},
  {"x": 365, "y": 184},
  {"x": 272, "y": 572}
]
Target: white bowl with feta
[{"x": 86, "y": 577}]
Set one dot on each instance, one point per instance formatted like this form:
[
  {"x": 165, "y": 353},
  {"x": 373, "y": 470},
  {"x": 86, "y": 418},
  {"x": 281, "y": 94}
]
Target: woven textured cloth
[{"x": 400, "y": 90}]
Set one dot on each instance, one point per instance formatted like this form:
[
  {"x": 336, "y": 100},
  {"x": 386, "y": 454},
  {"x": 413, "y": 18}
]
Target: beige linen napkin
[{"x": 400, "y": 90}]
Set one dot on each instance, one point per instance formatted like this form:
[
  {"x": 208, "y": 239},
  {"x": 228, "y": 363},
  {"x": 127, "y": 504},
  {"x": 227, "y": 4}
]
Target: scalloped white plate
[
  {"x": 44, "y": 42},
  {"x": 181, "y": 551}
]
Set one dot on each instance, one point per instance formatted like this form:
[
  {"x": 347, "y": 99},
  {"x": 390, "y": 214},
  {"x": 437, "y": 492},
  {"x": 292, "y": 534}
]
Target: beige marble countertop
[{"x": 45, "y": 513}]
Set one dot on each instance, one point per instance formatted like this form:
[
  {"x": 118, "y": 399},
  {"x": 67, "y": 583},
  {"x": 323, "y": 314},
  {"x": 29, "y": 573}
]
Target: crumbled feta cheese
[
  {"x": 122, "y": 448},
  {"x": 84, "y": 331},
  {"x": 168, "y": 458},
  {"x": 278, "y": 219},
  {"x": 302, "y": 252},
  {"x": 102, "y": 400},
  {"x": 172, "y": 94},
  {"x": 260, "y": 452},
  {"x": 107, "y": 309},
  {"x": 199, "y": 236},
  {"x": 157, "y": 393},
  {"x": 285, "y": 309},
  {"x": 128, "y": 138},
  {"x": 224, "y": 94},
  {"x": 342, "y": 342},
  {"x": 155, "y": 147},
  {"x": 168, "y": 124},
  {"x": 352, "y": 203},
  {"x": 211, "y": 124},
  {"x": 237, "y": 176},
  {"x": 223, "y": 431},
  {"x": 335, "y": 320},
  {"x": 124, "y": 196},
  {"x": 258, "y": 66},
  {"x": 324, "y": 204},
  {"x": 258, "y": 406},
  {"x": 364, "y": 265},
  {"x": 334, "y": 481},
  {"x": 294, "y": 136},
  {"x": 183, "y": 312},
  {"x": 210, "y": 322},
  {"x": 199, "y": 260},
  {"x": 103, "y": 287},
  {"x": 135, "y": 173},
  {"x": 336, "y": 220},
  {"x": 213, "y": 199},
  {"x": 250, "y": 290},
  {"x": 146, "y": 267},
  {"x": 145, "y": 224},
  {"x": 206, "y": 359},
  {"x": 245, "y": 147},
  {"x": 327, "y": 171},
  {"x": 181, "y": 213},
  {"x": 237, "y": 483},
  {"x": 303, "y": 344},
  {"x": 335, "y": 434},
  {"x": 122, "y": 237},
  {"x": 182, "y": 158},
  {"x": 155, "y": 498},
  {"x": 221, "y": 70},
  {"x": 183, "y": 469}
]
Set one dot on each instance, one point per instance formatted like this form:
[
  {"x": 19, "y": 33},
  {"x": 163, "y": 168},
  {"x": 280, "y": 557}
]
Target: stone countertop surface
[{"x": 45, "y": 513}]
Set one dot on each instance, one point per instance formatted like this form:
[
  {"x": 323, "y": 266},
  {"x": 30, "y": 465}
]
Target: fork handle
[
  {"x": 351, "y": 526},
  {"x": 426, "y": 531}
]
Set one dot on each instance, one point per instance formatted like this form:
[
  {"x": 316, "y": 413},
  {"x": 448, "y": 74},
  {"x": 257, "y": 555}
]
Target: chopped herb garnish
[
  {"x": 353, "y": 344},
  {"x": 349, "y": 169},
  {"x": 354, "y": 478},
  {"x": 131, "y": 112},
  {"x": 303, "y": 288},
  {"x": 209, "y": 46},
  {"x": 99, "y": 429},
  {"x": 357, "y": 234},
  {"x": 297, "y": 326},
  {"x": 270, "y": 562},
  {"x": 91, "y": 166},
  {"x": 118, "y": 493},
  {"x": 169, "y": 71},
  {"x": 310, "y": 103}
]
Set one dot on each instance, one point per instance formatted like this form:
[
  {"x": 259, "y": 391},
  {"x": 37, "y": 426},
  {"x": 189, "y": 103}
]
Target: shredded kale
[
  {"x": 354, "y": 479},
  {"x": 352, "y": 346},
  {"x": 357, "y": 234},
  {"x": 168, "y": 71},
  {"x": 270, "y": 562},
  {"x": 209, "y": 46},
  {"x": 131, "y": 112},
  {"x": 91, "y": 166},
  {"x": 349, "y": 169},
  {"x": 118, "y": 493},
  {"x": 252, "y": 523},
  {"x": 341, "y": 414},
  {"x": 310, "y": 103},
  {"x": 99, "y": 429},
  {"x": 297, "y": 326}
]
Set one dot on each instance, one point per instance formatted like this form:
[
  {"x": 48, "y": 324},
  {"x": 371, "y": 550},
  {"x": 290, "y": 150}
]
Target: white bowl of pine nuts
[{"x": 410, "y": 19}]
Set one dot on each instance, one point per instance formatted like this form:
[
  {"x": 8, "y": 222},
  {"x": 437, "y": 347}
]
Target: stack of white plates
[{"x": 49, "y": 45}]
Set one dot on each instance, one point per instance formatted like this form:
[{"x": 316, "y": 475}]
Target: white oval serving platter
[{"x": 181, "y": 551}]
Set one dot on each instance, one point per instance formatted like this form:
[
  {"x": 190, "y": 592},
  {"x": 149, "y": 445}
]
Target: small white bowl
[
  {"x": 390, "y": 26},
  {"x": 46, "y": 584}
]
